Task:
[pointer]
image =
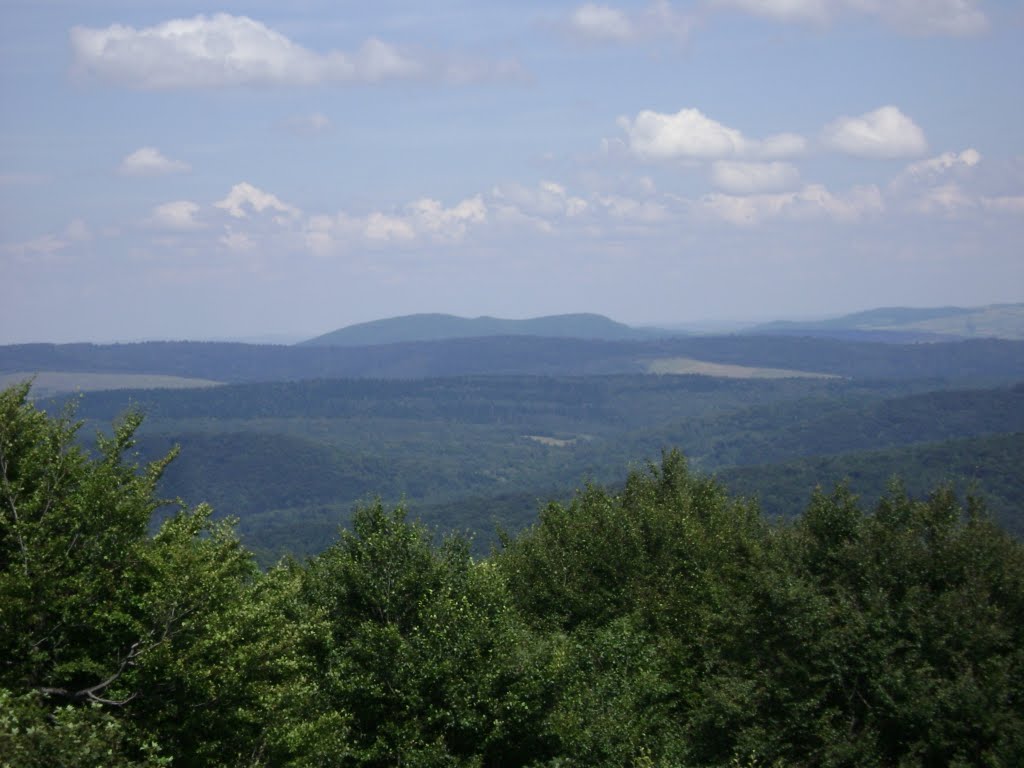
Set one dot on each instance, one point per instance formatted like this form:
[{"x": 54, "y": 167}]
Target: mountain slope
[
  {"x": 933, "y": 323},
  {"x": 436, "y": 327}
]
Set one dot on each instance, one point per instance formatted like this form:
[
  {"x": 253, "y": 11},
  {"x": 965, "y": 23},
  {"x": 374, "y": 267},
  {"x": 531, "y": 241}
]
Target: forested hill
[
  {"x": 437, "y": 327},
  {"x": 991, "y": 359},
  {"x": 1004, "y": 321}
]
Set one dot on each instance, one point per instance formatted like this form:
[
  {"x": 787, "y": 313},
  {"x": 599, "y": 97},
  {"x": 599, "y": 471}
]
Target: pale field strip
[
  {"x": 687, "y": 365},
  {"x": 553, "y": 441},
  {"x": 47, "y": 383}
]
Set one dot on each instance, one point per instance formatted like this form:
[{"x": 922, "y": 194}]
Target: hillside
[
  {"x": 989, "y": 359},
  {"x": 437, "y": 327},
  {"x": 290, "y": 459},
  {"x": 901, "y": 324},
  {"x": 989, "y": 466}
]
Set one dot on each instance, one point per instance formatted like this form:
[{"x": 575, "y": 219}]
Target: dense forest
[
  {"x": 291, "y": 460},
  {"x": 665, "y": 622}
]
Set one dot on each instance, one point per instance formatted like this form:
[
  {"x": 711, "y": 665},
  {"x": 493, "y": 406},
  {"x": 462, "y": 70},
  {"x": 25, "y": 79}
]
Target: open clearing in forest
[
  {"x": 687, "y": 365},
  {"x": 49, "y": 383},
  {"x": 556, "y": 442}
]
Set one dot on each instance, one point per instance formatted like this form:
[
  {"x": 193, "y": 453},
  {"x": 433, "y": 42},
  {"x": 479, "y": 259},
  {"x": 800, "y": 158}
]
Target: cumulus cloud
[
  {"x": 924, "y": 17},
  {"x": 244, "y": 197},
  {"x": 430, "y": 216},
  {"x": 546, "y": 200},
  {"x": 747, "y": 178},
  {"x": 149, "y": 161},
  {"x": 225, "y": 50},
  {"x": 179, "y": 215},
  {"x": 947, "y": 161},
  {"x": 605, "y": 24},
  {"x": 883, "y": 133},
  {"x": 601, "y": 22},
  {"x": 382, "y": 227},
  {"x": 424, "y": 218},
  {"x": 811, "y": 201},
  {"x": 689, "y": 134},
  {"x": 236, "y": 241}
]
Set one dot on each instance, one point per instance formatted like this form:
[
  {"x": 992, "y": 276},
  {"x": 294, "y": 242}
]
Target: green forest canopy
[{"x": 665, "y": 624}]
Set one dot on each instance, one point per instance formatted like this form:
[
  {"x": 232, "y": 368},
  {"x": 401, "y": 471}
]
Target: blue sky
[{"x": 265, "y": 169}]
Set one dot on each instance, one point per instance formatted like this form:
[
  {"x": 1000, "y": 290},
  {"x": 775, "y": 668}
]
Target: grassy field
[
  {"x": 687, "y": 365},
  {"x": 49, "y": 383}
]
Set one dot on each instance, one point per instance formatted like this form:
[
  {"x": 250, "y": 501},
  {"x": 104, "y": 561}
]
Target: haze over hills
[
  {"x": 1004, "y": 321},
  {"x": 438, "y": 327}
]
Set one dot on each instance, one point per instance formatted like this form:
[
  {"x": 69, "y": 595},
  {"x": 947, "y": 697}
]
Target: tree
[
  {"x": 426, "y": 656},
  {"x": 172, "y": 644}
]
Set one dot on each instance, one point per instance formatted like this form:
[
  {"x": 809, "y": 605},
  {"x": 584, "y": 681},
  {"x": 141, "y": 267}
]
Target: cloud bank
[{"x": 224, "y": 50}]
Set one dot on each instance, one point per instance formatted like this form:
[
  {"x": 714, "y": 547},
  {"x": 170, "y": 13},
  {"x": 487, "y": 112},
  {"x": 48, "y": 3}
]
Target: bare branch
[{"x": 91, "y": 693}]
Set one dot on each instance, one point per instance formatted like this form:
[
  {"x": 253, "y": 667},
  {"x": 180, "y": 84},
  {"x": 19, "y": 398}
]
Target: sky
[{"x": 269, "y": 170}]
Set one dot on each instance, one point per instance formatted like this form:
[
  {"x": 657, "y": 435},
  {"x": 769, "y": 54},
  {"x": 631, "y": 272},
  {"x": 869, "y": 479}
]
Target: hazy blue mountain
[
  {"x": 904, "y": 324},
  {"x": 437, "y": 327}
]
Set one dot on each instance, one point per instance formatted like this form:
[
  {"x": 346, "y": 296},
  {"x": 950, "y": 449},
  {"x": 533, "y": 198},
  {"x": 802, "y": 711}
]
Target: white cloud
[
  {"x": 811, "y": 201},
  {"x": 225, "y": 50},
  {"x": 149, "y": 161},
  {"x": 179, "y": 215},
  {"x": 924, "y": 17},
  {"x": 688, "y": 134},
  {"x": 245, "y": 196},
  {"x": 546, "y": 200},
  {"x": 883, "y": 133},
  {"x": 236, "y": 241},
  {"x": 431, "y": 216},
  {"x": 947, "y": 161},
  {"x": 602, "y": 23},
  {"x": 747, "y": 178},
  {"x": 423, "y": 218},
  {"x": 384, "y": 228}
]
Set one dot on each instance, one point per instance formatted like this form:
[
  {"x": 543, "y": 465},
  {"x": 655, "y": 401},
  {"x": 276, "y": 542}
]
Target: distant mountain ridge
[
  {"x": 1004, "y": 321},
  {"x": 440, "y": 327}
]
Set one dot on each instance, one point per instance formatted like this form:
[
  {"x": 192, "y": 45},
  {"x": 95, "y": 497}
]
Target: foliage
[{"x": 665, "y": 623}]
